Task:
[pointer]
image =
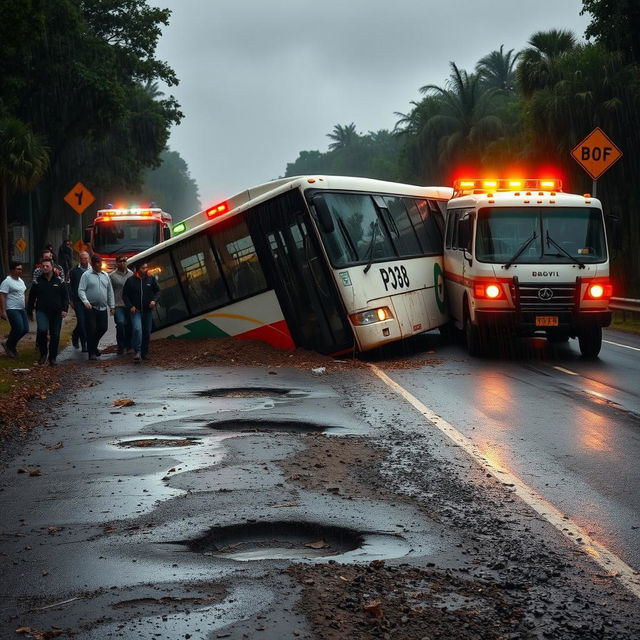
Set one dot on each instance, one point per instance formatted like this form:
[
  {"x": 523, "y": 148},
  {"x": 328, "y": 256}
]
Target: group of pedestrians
[{"x": 130, "y": 296}]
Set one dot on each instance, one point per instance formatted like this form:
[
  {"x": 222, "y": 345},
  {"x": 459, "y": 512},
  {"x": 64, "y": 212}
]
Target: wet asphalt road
[
  {"x": 113, "y": 541},
  {"x": 568, "y": 427}
]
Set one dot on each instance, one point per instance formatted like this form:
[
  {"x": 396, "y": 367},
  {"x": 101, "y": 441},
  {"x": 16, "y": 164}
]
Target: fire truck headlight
[{"x": 493, "y": 291}]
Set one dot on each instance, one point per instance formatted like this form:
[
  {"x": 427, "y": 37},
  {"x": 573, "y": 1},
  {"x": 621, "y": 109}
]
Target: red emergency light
[{"x": 217, "y": 210}]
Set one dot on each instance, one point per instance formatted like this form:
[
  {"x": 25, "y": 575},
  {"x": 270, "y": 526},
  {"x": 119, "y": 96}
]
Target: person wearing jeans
[
  {"x": 140, "y": 293},
  {"x": 96, "y": 293},
  {"x": 49, "y": 296},
  {"x": 12, "y": 307},
  {"x": 79, "y": 335},
  {"x": 122, "y": 315}
]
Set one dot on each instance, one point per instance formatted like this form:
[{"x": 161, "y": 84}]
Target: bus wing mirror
[
  {"x": 86, "y": 235},
  {"x": 323, "y": 215}
]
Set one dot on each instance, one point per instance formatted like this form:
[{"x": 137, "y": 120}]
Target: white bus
[
  {"x": 328, "y": 263},
  {"x": 522, "y": 258}
]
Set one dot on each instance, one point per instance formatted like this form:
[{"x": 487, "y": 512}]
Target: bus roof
[{"x": 261, "y": 192}]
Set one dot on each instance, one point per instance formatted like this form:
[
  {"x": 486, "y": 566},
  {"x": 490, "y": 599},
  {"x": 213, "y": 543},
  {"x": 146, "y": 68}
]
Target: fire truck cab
[
  {"x": 521, "y": 258},
  {"x": 126, "y": 232}
]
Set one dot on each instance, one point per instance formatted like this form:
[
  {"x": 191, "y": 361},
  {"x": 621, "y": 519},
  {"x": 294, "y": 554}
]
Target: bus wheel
[
  {"x": 475, "y": 341},
  {"x": 590, "y": 341}
]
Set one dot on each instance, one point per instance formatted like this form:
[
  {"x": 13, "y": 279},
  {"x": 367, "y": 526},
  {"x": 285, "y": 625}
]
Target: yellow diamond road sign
[
  {"x": 21, "y": 245},
  {"x": 79, "y": 198},
  {"x": 596, "y": 153}
]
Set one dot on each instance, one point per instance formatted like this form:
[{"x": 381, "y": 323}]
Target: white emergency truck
[{"x": 522, "y": 258}]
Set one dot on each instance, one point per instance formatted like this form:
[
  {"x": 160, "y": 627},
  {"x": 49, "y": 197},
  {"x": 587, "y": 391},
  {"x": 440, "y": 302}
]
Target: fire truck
[
  {"x": 126, "y": 232},
  {"x": 521, "y": 258}
]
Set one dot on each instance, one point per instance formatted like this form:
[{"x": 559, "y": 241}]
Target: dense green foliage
[
  {"x": 521, "y": 113},
  {"x": 79, "y": 74}
]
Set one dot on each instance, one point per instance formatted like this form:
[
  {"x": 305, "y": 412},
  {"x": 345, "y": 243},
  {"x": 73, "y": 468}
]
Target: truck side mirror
[
  {"x": 86, "y": 235},
  {"x": 323, "y": 215},
  {"x": 465, "y": 233},
  {"x": 613, "y": 232}
]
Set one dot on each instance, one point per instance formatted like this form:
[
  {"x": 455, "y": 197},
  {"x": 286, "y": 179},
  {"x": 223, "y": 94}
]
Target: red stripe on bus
[{"x": 276, "y": 334}]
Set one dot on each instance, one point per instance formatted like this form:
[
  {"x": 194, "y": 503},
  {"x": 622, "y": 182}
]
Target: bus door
[{"x": 302, "y": 282}]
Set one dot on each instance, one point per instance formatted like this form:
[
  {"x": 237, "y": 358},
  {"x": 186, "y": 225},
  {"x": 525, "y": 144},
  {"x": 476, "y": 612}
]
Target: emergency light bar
[
  {"x": 482, "y": 185},
  {"x": 106, "y": 213}
]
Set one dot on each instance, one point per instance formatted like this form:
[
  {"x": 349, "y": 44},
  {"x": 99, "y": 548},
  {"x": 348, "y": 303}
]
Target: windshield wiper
[
  {"x": 371, "y": 245},
  {"x": 560, "y": 248},
  {"x": 347, "y": 237},
  {"x": 521, "y": 250}
]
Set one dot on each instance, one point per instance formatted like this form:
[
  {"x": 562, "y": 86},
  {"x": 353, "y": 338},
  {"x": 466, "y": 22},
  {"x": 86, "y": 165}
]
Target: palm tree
[
  {"x": 464, "y": 123},
  {"x": 24, "y": 159},
  {"x": 538, "y": 68},
  {"x": 150, "y": 87},
  {"x": 497, "y": 70},
  {"x": 343, "y": 136}
]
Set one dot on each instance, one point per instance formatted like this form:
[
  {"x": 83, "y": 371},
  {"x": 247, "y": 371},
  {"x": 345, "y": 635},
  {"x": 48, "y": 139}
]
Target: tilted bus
[
  {"x": 328, "y": 263},
  {"x": 522, "y": 258}
]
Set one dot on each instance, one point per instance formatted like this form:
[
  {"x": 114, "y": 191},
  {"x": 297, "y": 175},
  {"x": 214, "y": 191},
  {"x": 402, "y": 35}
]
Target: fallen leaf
[
  {"x": 123, "y": 402},
  {"x": 35, "y": 472},
  {"x": 53, "y": 447},
  {"x": 373, "y": 608},
  {"x": 23, "y": 470}
]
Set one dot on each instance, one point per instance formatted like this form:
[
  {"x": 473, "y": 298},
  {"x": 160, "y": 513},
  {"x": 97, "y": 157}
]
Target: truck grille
[{"x": 542, "y": 298}]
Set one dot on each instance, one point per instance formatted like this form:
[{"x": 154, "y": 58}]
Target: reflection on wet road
[{"x": 568, "y": 427}]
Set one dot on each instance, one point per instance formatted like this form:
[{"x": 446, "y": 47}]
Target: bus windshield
[
  {"x": 131, "y": 236},
  {"x": 548, "y": 235}
]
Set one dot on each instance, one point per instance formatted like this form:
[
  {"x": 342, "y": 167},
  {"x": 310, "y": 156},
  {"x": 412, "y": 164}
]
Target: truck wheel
[
  {"x": 590, "y": 341},
  {"x": 475, "y": 341}
]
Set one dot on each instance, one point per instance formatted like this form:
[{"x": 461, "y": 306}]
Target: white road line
[
  {"x": 571, "y": 373},
  {"x": 613, "y": 565},
  {"x": 624, "y": 346}
]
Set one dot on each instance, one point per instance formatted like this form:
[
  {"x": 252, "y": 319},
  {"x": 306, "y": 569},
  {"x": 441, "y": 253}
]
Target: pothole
[
  {"x": 276, "y": 541},
  {"x": 159, "y": 442},
  {"x": 258, "y": 425},
  {"x": 244, "y": 392}
]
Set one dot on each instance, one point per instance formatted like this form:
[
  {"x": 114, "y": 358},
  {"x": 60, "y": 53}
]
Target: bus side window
[
  {"x": 239, "y": 260},
  {"x": 171, "y": 307},
  {"x": 199, "y": 274}
]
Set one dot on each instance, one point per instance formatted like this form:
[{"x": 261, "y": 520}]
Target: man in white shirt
[
  {"x": 12, "y": 307},
  {"x": 96, "y": 294}
]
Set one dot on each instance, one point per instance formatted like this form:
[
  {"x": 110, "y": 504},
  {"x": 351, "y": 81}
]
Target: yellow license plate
[{"x": 547, "y": 321}]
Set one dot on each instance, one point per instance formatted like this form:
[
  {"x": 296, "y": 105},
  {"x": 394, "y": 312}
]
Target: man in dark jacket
[
  {"x": 48, "y": 295},
  {"x": 65, "y": 256},
  {"x": 140, "y": 293},
  {"x": 79, "y": 335}
]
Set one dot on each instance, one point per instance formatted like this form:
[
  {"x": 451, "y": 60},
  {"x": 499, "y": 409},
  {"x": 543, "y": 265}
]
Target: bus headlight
[{"x": 370, "y": 316}]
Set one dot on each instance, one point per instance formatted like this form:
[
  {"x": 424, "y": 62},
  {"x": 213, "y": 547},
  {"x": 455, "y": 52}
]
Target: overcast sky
[{"x": 261, "y": 80}]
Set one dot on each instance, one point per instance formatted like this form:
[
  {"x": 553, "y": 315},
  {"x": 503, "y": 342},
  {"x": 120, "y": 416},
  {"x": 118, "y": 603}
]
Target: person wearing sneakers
[
  {"x": 122, "y": 315},
  {"x": 49, "y": 296},
  {"x": 12, "y": 307},
  {"x": 96, "y": 293},
  {"x": 140, "y": 293}
]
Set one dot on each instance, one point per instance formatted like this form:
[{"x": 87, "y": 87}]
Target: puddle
[
  {"x": 248, "y": 392},
  {"x": 258, "y": 425},
  {"x": 147, "y": 443},
  {"x": 298, "y": 541},
  {"x": 276, "y": 541}
]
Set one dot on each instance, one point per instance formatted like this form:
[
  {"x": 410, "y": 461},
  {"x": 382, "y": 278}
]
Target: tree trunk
[{"x": 4, "y": 229}]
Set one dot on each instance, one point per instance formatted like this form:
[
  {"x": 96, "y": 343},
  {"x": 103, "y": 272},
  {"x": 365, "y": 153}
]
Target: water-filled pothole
[
  {"x": 244, "y": 392},
  {"x": 276, "y": 541},
  {"x": 159, "y": 442},
  {"x": 257, "y": 425}
]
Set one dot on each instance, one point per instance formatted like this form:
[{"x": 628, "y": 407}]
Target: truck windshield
[
  {"x": 503, "y": 231},
  {"x": 129, "y": 236}
]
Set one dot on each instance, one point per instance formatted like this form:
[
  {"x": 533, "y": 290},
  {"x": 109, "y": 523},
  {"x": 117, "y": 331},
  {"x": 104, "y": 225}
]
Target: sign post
[
  {"x": 596, "y": 154},
  {"x": 79, "y": 198}
]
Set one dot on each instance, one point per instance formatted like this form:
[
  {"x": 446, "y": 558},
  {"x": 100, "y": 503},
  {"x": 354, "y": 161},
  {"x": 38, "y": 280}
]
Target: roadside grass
[
  {"x": 27, "y": 353},
  {"x": 626, "y": 321}
]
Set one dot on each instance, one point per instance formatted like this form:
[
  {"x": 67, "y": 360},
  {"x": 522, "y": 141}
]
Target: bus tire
[
  {"x": 590, "y": 341},
  {"x": 474, "y": 338}
]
